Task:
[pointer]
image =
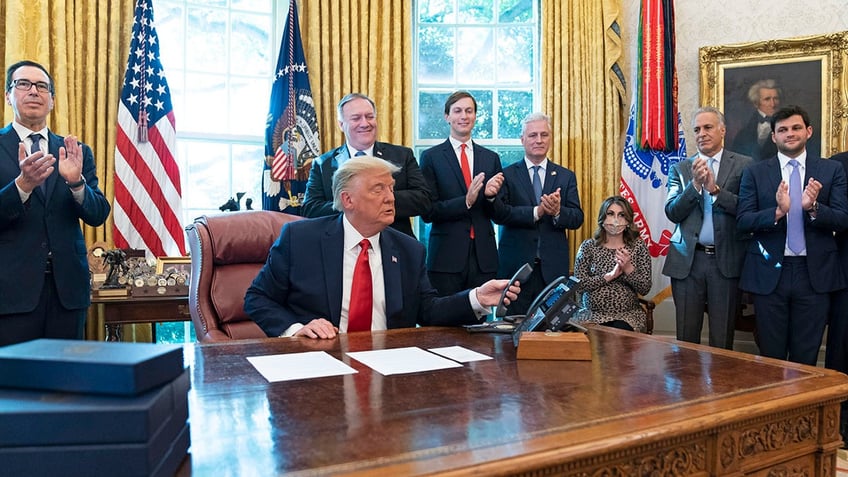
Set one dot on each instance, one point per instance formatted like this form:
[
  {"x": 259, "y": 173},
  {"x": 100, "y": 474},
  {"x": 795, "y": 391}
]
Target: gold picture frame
[
  {"x": 182, "y": 264},
  {"x": 809, "y": 72}
]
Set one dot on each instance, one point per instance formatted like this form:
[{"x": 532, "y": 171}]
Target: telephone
[{"x": 552, "y": 309}]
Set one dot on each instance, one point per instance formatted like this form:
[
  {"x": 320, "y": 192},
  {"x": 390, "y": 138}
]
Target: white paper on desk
[
  {"x": 458, "y": 353},
  {"x": 402, "y": 360},
  {"x": 286, "y": 367}
]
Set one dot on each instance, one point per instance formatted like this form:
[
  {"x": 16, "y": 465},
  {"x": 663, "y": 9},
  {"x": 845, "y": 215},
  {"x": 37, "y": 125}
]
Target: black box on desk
[
  {"x": 93, "y": 435},
  {"x": 89, "y": 366}
]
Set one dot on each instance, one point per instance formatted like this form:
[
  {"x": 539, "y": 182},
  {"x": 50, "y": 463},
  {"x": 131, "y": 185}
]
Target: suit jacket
[
  {"x": 746, "y": 141},
  {"x": 842, "y": 237},
  {"x": 755, "y": 214},
  {"x": 683, "y": 207},
  {"x": 47, "y": 223},
  {"x": 522, "y": 239},
  {"x": 411, "y": 194},
  {"x": 451, "y": 218},
  {"x": 297, "y": 286}
]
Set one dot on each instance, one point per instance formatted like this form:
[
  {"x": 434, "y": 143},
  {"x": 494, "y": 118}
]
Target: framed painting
[{"x": 748, "y": 81}]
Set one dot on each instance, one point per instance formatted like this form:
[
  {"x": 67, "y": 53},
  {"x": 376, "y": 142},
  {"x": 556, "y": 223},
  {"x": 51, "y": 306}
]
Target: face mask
[{"x": 614, "y": 227}]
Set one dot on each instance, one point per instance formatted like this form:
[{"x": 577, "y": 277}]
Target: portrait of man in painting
[{"x": 753, "y": 93}]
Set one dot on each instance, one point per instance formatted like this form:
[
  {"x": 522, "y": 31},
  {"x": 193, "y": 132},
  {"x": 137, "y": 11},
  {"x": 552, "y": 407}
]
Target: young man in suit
[
  {"x": 45, "y": 290},
  {"x": 461, "y": 250},
  {"x": 357, "y": 116},
  {"x": 706, "y": 253},
  {"x": 537, "y": 203},
  {"x": 363, "y": 274},
  {"x": 792, "y": 204}
]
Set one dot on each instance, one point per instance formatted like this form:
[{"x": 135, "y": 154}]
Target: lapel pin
[
  {"x": 394, "y": 259},
  {"x": 553, "y": 173}
]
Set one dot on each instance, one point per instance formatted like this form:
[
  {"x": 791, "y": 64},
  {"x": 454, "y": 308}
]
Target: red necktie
[
  {"x": 466, "y": 173},
  {"x": 361, "y": 295}
]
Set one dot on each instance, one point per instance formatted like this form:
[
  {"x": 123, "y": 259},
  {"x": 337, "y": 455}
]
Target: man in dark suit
[
  {"x": 461, "y": 251},
  {"x": 706, "y": 253},
  {"x": 792, "y": 203},
  {"x": 537, "y": 203},
  {"x": 357, "y": 116},
  {"x": 754, "y": 139},
  {"x": 317, "y": 294},
  {"x": 836, "y": 352},
  {"x": 45, "y": 290}
]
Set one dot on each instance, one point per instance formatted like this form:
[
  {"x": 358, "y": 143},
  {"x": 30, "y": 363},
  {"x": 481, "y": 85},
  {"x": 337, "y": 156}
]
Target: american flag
[
  {"x": 148, "y": 197},
  {"x": 291, "y": 131}
]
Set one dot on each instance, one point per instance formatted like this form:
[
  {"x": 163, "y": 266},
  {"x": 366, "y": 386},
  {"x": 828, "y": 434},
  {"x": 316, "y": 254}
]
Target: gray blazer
[{"x": 683, "y": 207}]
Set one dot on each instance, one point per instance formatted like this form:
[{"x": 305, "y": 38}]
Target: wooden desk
[
  {"x": 117, "y": 311},
  {"x": 643, "y": 406}
]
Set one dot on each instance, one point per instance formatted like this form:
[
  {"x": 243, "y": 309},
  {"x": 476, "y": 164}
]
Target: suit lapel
[
  {"x": 332, "y": 245},
  {"x": 9, "y": 141},
  {"x": 524, "y": 180},
  {"x": 391, "y": 276},
  {"x": 812, "y": 170},
  {"x": 774, "y": 173},
  {"x": 453, "y": 164}
]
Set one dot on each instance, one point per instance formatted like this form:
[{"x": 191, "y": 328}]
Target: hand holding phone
[{"x": 520, "y": 276}]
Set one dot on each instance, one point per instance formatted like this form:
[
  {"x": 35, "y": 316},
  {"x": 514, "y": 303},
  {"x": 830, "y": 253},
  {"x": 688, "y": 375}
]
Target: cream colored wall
[{"x": 723, "y": 22}]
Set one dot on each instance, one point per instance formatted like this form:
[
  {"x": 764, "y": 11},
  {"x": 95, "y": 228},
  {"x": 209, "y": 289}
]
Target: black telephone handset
[
  {"x": 520, "y": 276},
  {"x": 552, "y": 307}
]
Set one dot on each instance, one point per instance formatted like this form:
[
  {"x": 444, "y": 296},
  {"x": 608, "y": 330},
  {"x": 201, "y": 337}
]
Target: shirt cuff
[
  {"x": 24, "y": 195},
  {"x": 291, "y": 330},
  {"x": 479, "y": 310},
  {"x": 79, "y": 195}
]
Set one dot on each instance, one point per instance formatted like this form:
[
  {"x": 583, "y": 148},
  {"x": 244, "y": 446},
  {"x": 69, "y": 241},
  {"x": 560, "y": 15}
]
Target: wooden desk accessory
[{"x": 566, "y": 346}]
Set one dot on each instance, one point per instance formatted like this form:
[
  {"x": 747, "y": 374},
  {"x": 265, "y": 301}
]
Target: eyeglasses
[{"x": 26, "y": 85}]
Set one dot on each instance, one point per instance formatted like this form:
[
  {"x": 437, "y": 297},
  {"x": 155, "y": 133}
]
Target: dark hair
[
  {"x": 630, "y": 232},
  {"x": 11, "y": 71},
  {"x": 788, "y": 111},
  {"x": 454, "y": 97}
]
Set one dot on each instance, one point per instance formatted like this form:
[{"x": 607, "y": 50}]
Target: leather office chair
[{"x": 227, "y": 251}]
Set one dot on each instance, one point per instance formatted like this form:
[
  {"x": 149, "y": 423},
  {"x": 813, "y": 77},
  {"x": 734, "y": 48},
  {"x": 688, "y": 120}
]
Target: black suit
[
  {"x": 43, "y": 235},
  {"x": 454, "y": 261},
  {"x": 836, "y": 354},
  {"x": 791, "y": 294},
  {"x": 747, "y": 143},
  {"x": 411, "y": 193}
]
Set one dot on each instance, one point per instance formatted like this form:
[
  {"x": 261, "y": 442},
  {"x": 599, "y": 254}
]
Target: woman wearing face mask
[{"x": 614, "y": 268}]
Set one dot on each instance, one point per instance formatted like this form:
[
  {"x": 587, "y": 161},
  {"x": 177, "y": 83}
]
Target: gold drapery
[
  {"x": 84, "y": 45},
  {"x": 583, "y": 98},
  {"x": 362, "y": 46}
]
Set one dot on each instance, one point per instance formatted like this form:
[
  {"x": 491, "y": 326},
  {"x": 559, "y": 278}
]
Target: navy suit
[
  {"x": 46, "y": 225},
  {"x": 543, "y": 244},
  {"x": 297, "y": 286},
  {"x": 451, "y": 252},
  {"x": 836, "y": 353},
  {"x": 791, "y": 293},
  {"x": 411, "y": 194}
]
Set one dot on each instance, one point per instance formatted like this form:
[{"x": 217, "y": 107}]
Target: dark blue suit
[
  {"x": 836, "y": 353},
  {"x": 47, "y": 224},
  {"x": 450, "y": 254},
  {"x": 297, "y": 285},
  {"x": 791, "y": 294},
  {"x": 411, "y": 195},
  {"x": 522, "y": 239}
]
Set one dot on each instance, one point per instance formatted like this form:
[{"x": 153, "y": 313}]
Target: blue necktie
[
  {"x": 359, "y": 153},
  {"x": 795, "y": 224},
  {"x": 36, "y": 146},
  {"x": 537, "y": 184},
  {"x": 707, "y": 235}
]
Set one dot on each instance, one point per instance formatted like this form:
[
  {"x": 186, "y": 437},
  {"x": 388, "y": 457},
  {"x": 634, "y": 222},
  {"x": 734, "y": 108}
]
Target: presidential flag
[
  {"x": 654, "y": 139},
  {"x": 291, "y": 133},
  {"x": 148, "y": 198}
]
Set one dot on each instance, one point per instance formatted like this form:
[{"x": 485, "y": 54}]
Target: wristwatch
[
  {"x": 814, "y": 207},
  {"x": 74, "y": 185},
  {"x": 716, "y": 190}
]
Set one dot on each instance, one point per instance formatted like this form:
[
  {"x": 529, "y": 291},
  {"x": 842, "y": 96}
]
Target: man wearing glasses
[{"x": 47, "y": 185}]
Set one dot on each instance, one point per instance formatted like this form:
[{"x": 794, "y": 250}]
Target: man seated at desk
[{"x": 353, "y": 273}]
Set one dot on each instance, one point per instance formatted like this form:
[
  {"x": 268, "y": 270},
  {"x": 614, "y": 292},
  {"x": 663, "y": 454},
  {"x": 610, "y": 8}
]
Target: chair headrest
[{"x": 244, "y": 236}]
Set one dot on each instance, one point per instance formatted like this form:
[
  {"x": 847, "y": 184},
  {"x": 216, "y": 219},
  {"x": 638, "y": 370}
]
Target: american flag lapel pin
[
  {"x": 553, "y": 173},
  {"x": 394, "y": 259}
]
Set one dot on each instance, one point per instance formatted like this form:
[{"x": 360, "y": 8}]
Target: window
[
  {"x": 219, "y": 57},
  {"x": 487, "y": 47}
]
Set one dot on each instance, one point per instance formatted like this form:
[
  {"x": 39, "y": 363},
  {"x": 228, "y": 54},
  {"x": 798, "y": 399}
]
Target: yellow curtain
[
  {"x": 84, "y": 45},
  {"x": 584, "y": 98},
  {"x": 362, "y": 46}
]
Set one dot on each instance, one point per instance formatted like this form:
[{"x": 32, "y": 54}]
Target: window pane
[
  {"x": 247, "y": 116},
  {"x": 431, "y": 115},
  {"x": 208, "y": 187},
  {"x": 512, "y": 11},
  {"x": 251, "y": 44},
  {"x": 476, "y": 57},
  {"x": 206, "y": 40},
  {"x": 435, "y": 55},
  {"x": 515, "y": 55},
  {"x": 435, "y": 11},
  {"x": 206, "y": 104},
  {"x": 513, "y": 106},
  {"x": 483, "y": 128},
  {"x": 474, "y": 11},
  {"x": 509, "y": 155},
  {"x": 247, "y": 172},
  {"x": 169, "y": 27},
  {"x": 263, "y": 6}
]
